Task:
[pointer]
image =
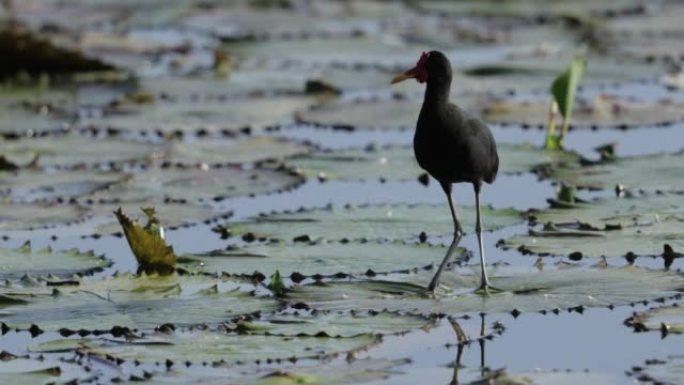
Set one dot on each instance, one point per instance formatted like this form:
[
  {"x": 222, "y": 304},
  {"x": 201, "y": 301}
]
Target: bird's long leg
[
  {"x": 484, "y": 281},
  {"x": 458, "y": 233}
]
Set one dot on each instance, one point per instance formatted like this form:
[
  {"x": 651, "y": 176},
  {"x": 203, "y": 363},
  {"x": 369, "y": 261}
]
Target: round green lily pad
[
  {"x": 326, "y": 52},
  {"x": 238, "y": 151},
  {"x": 28, "y": 216},
  {"x": 17, "y": 262},
  {"x": 324, "y": 258},
  {"x": 610, "y": 227},
  {"x": 24, "y": 370},
  {"x": 75, "y": 150},
  {"x": 395, "y": 222},
  {"x": 213, "y": 347},
  {"x": 525, "y": 291},
  {"x": 28, "y": 185},
  {"x": 325, "y": 373},
  {"x": 648, "y": 172},
  {"x": 399, "y": 162},
  {"x": 666, "y": 319},
  {"x": 662, "y": 371},
  {"x": 640, "y": 240},
  {"x": 208, "y": 115},
  {"x": 388, "y": 114},
  {"x": 336, "y": 324},
  {"x": 201, "y": 184},
  {"x": 134, "y": 302},
  {"x": 602, "y": 111},
  {"x": 613, "y": 212}
]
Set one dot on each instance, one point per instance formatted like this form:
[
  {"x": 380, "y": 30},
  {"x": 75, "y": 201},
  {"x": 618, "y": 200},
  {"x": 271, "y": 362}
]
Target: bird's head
[{"x": 432, "y": 66}]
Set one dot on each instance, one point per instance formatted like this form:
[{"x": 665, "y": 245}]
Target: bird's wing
[{"x": 478, "y": 141}]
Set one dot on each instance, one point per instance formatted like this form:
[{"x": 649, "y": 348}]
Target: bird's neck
[{"x": 437, "y": 93}]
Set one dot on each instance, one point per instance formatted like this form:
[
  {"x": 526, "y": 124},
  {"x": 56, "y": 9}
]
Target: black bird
[{"x": 451, "y": 145}]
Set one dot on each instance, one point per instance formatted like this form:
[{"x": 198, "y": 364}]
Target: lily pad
[
  {"x": 309, "y": 259},
  {"x": 669, "y": 371},
  {"x": 387, "y": 53},
  {"x": 388, "y": 163},
  {"x": 336, "y": 324},
  {"x": 21, "y": 122},
  {"x": 128, "y": 301},
  {"x": 26, "y": 216},
  {"x": 546, "y": 377},
  {"x": 24, "y": 370},
  {"x": 355, "y": 372},
  {"x": 536, "y": 66},
  {"x": 607, "y": 213},
  {"x": 399, "y": 162},
  {"x": 396, "y": 222},
  {"x": 28, "y": 185},
  {"x": 389, "y": 114},
  {"x": 602, "y": 111},
  {"x": 649, "y": 172},
  {"x": 521, "y": 9},
  {"x": 195, "y": 184},
  {"x": 572, "y": 287},
  {"x": 640, "y": 240},
  {"x": 207, "y": 115},
  {"x": 17, "y": 262},
  {"x": 215, "y": 347},
  {"x": 248, "y": 150},
  {"x": 75, "y": 150},
  {"x": 240, "y": 82},
  {"x": 666, "y": 319}
]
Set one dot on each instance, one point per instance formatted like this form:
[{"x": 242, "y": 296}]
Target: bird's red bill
[{"x": 419, "y": 72}]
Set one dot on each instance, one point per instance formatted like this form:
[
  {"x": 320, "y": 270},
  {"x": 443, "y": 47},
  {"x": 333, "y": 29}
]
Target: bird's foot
[
  {"x": 487, "y": 290},
  {"x": 432, "y": 293}
]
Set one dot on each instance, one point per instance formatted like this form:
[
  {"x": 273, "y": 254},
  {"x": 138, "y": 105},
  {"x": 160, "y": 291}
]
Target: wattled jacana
[{"x": 451, "y": 145}]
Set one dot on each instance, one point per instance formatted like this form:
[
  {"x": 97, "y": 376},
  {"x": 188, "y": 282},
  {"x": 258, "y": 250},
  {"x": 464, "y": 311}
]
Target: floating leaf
[
  {"x": 601, "y": 111},
  {"x": 396, "y": 222},
  {"x": 26, "y": 216},
  {"x": 649, "y": 172},
  {"x": 613, "y": 213},
  {"x": 23, "y": 370},
  {"x": 390, "y": 114},
  {"x": 335, "y": 324},
  {"x": 326, "y": 373},
  {"x": 667, "y": 371},
  {"x": 208, "y": 115},
  {"x": 524, "y": 291},
  {"x": 639, "y": 240},
  {"x": 310, "y": 259},
  {"x": 31, "y": 186},
  {"x": 666, "y": 319},
  {"x": 213, "y": 347},
  {"x": 546, "y": 377},
  {"x": 148, "y": 243},
  {"x": 15, "y": 263},
  {"x": 75, "y": 150},
  {"x": 132, "y": 302},
  {"x": 399, "y": 162},
  {"x": 196, "y": 184},
  {"x": 234, "y": 151}
]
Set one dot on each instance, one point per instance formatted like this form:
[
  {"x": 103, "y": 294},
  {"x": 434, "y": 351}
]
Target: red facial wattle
[{"x": 421, "y": 70}]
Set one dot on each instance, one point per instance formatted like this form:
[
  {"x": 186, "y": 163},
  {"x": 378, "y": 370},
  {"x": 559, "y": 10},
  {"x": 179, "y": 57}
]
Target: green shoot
[
  {"x": 563, "y": 90},
  {"x": 277, "y": 286}
]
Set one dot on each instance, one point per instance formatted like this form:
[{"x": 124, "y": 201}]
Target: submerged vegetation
[{"x": 288, "y": 233}]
